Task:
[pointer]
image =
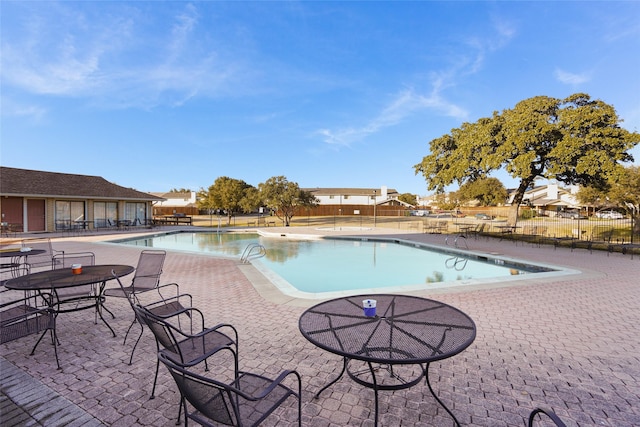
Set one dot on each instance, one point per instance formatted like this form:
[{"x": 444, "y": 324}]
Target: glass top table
[{"x": 406, "y": 330}]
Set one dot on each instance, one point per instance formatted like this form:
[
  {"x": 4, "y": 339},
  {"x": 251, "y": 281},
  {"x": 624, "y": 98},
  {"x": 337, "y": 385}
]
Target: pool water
[{"x": 345, "y": 265}]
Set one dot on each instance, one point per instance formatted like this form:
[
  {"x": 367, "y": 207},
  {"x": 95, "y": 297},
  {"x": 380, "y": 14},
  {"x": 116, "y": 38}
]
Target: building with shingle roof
[{"x": 32, "y": 200}]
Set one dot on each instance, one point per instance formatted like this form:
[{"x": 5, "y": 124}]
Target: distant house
[
  {"x": 357, "y": 196},
  {"x": 356, "y": 201},
  {"x": 36, "y": 201},
  {"x": 550, "y": 199},
  {"x": 176, "y": 202}
]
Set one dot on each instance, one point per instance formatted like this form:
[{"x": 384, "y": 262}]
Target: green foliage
[
  {"x": 574, "y": 141},
  {"x": 487, "y": 191},
  {"x": 622, "y": 190},
  {"x": 226, "y": 193},
  {"x": 283, "y": 197},
  {"x": 408, "y": 198},
  {"x": 447, "y": 202}
]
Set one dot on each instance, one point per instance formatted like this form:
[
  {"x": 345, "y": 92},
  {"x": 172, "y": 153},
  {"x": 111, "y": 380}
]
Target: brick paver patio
[{"x": 569, "y": 343}]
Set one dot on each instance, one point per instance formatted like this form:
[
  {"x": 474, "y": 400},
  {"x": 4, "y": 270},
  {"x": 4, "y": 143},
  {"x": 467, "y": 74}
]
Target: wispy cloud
[
  {"x": 571, "y": 78},
  {"x": 407, "y": 103},
  {"x": 470, "y": 60},
  {"x": 121, "y": 59}
]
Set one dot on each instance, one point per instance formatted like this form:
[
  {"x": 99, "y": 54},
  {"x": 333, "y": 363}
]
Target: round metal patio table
[
  {"x": 406, "y": 330},
  {"x": 47, "y": 281},
  {"x": 16, "y": 264}
]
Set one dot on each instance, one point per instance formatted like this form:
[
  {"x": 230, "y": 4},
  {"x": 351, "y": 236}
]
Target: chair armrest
[
  {"x": 207, "y": 351},
  {"x": 274, "y": 383},
  {"x": 215, "y": 329},
  {"x": 558, "y": 422},
  {"x": 171, "y": 300},
  {"x": 160, "y": 288}
]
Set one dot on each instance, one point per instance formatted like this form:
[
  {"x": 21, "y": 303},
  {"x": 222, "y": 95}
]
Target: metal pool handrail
[{"x": 252, "y": 251}]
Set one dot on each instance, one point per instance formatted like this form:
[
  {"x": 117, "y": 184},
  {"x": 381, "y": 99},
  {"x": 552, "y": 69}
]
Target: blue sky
[{"x": 161, "y": 95}]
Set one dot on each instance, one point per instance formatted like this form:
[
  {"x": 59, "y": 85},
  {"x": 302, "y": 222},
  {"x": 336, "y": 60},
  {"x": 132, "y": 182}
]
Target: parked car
[
  {"x": 483, "y": 216},
  {"x": 609, "y": 214},
  {"x": 570, "y": 214}
]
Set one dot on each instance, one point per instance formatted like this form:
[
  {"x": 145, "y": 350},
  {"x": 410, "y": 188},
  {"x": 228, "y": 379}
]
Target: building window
[
  {"x": 105, "y": 214},
  {"x": 331, "y": 197},
  {"x": 67, "y": 212},
  {"x": 136, "y": 212}
]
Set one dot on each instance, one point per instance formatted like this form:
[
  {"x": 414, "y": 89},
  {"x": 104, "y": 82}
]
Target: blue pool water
[{"x": 339, "y": 265}]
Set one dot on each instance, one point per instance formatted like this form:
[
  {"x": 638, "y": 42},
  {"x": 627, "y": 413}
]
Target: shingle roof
[{"x": 25, "y": 182}]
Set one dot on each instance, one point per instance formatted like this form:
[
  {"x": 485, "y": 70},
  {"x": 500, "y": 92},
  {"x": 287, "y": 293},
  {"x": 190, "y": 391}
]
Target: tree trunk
[{"x": 512, "y": 217}]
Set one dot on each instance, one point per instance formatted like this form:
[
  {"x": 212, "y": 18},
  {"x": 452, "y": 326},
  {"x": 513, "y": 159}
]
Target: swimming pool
[{"x": 339, "y": 266}]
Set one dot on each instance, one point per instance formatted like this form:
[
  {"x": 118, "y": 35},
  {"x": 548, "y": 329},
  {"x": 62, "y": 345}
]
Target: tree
[
  {"x": 226, "y": 194},
  {"x": 623, "y": 192},
  {"x": 408, "y": 198},
  {"x": 487, "y": 191},
  {"x": 447, "y": 202},
  {"x": 251, "y": 200},
  {"x": 574, "y": 141},
  {"x": 283, "y": 197}
]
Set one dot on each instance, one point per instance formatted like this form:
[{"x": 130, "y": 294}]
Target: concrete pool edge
[{"x": 264, "y": 278}]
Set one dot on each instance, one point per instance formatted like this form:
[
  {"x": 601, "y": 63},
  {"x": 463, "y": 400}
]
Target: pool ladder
[
  {"x": 253, "y": 251},
  {"x": 455, "y": 241},
  {"x": 456, "y": 262}
]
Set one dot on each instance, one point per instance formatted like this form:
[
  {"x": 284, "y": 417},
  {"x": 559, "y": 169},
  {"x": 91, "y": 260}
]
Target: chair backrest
[
  {"x": 66, "y": 260},
  {"x": 148, "y": 270},
  {"x": 212, "y": 399},
  {"x": 164, "y": 332},
  {"x": 44, "y": 259}
]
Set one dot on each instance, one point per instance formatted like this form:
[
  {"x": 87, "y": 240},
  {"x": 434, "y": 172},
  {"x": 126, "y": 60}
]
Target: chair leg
[
  {"x": 155, "y": 380},
  {"x": 133, "y": 350},
  {"x": 183, "y": 402},
  {"x": 128, "y": 330}
]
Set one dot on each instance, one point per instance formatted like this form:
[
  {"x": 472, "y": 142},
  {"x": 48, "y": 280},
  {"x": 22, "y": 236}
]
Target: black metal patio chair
[
  {"x": 76, "y": 295},
  {"x": 247, "y": 401},
  {"x": 166, "y": 307},
  {"x": 20, "y": 317},
  {"x": 188, "y": 347},
  {"x": 146, "y": 277}
]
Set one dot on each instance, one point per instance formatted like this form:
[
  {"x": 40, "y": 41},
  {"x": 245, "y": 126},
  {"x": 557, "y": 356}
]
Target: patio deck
[{"x": 569, "y": 343}]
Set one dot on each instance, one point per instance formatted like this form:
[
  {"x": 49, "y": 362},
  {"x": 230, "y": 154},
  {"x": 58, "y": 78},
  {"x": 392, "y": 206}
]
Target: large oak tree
[
  {"x": 575, "y": 141},
  {"x": 283, "y": 197},
  {"x": 227, "y": 194}
]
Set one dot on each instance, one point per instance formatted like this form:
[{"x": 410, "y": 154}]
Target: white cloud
[
  {"x": 571, "y": 78},
  {"x": 122, "y": 59},
  {"x": 406, "y": 103}
]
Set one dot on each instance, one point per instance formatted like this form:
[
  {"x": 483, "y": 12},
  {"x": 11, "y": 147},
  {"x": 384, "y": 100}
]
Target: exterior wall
[
  {"x": 342, "y": 199},
  {"x": 176, "y": 202},
  {"x": 50, "y": 214},
  {"x": 16, "y": 212}
]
